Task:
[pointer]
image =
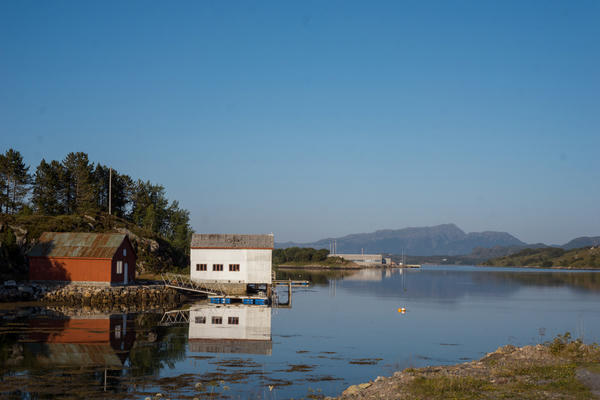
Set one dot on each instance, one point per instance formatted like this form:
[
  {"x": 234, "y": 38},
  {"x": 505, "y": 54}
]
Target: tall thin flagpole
[{"x": 110, "y": 192}]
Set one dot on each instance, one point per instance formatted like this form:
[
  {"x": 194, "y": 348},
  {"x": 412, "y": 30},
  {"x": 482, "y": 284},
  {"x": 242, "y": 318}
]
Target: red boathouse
[{"x": 100, "y": 258}]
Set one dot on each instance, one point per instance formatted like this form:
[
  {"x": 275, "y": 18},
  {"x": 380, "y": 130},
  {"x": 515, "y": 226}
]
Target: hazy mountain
[
  {"x": 447, "y": 239},
  {"x": 584, "y": 241}
]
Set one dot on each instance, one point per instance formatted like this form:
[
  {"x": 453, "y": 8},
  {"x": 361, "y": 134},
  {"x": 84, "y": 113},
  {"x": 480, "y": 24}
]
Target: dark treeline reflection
[
  {"x": 315, "y": 276},
  {"x": 577, "y": 280}
]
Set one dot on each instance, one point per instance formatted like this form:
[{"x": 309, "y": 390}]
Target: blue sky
[{"x": 318, "y": 119}]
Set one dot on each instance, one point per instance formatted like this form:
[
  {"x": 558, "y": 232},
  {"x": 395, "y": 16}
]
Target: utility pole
[{"x": 110, "y": 192}]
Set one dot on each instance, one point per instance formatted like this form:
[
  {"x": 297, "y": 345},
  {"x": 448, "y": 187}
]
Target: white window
[
  {"x": 119, "y": 267},
  {"x": 118, "y": 332},
  {"x": 124, "y": 252}
]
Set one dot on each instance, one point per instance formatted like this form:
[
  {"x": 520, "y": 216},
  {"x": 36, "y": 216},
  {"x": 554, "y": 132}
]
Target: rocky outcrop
[{"x": 508, "y": 372}]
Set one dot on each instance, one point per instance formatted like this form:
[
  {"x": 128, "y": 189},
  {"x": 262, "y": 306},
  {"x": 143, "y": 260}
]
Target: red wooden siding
[
  {"x": 69, "y": 269},
  {"x": 129, "y": 259},
  {"x": 80, "y": 269}
]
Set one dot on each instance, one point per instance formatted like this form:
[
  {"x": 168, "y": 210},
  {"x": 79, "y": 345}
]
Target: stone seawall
[{"x": 89, "y": 295}]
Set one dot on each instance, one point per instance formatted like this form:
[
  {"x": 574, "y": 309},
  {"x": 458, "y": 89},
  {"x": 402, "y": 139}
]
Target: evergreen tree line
[
  {"x": 77, "y": 186},
  {"x": 299, "y": 254}
]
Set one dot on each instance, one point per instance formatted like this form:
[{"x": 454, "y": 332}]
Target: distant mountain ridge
[
  {"x": 439, "y": 240},
  {"x": 446, "y": 239},
  {"x": 583, "y": 241}
]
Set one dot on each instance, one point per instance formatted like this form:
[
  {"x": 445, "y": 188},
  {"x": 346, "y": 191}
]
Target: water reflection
[
  {"x": 316, "y": 276},
  {"x": 343, "y": 330},
  {"x": 79, "y": 340},
  {"x": 446, "y": 283},
  {"x": 230, "y": 329},
  {"x": 581, "y": 280},
  {"x": 49, "y": 338}
]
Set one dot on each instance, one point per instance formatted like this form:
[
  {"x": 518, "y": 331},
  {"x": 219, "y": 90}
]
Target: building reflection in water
[
  {"x": 230, "y": 329},
  {"x": 374, "y": 274},
  {"x": 85, "y": 341}
]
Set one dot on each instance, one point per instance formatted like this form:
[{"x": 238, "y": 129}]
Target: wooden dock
[{"x": 288, "y": 282}]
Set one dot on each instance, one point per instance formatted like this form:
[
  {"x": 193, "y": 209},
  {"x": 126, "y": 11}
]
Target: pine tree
[
  {"x": 122, "y": 190},
  {"x": 48, "y": 189},
  {"x": 80, "y": 191},
  {"x": 122, "y": 186},
  {"x": 149, "y": 207},
  {"x": 179, "y": 231},
  {"x": 101, "y": 177},
  {"x": 15, "y": 181}
]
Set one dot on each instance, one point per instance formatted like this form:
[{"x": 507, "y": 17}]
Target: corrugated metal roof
[
  {"x": 232, "y": 241},
  {"x": 77, "y": 354},
  {"x": 84, "y": 245}
]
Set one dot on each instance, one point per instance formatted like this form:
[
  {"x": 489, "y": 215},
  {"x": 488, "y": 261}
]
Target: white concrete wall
[
  {"x": 367, "y": 258},
  {"x": 254, "y": 322},
  {"x": 255, "y": 265}
]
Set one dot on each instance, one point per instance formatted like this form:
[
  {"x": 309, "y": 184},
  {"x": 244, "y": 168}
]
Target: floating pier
[
  {"x": 288, "y": 282},
  {"x": 256, "y": 300}
]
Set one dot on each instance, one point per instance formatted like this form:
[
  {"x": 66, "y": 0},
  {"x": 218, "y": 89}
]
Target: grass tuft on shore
[
  {"x": 552, "y": 370},
  {"x": 449, "y": 387}
]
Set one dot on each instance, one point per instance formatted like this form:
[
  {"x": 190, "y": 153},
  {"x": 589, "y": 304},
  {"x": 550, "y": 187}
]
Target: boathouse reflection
[
  {"x": 102, "y": 340},
  {"x": 235, "y": 328}
]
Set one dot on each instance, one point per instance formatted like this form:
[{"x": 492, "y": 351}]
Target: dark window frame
[
  {"x": 217, "y": 267},
  {"x": 201, "y": 267}
]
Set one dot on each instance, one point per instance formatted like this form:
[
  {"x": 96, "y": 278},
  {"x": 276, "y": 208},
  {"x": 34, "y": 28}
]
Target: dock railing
[
  {"x": 183, "y": 282},
  {"x": 175, "y": 317}
]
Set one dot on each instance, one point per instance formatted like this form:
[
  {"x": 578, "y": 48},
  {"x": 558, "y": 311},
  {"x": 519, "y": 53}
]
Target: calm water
[{"x": 344, "y": 329}]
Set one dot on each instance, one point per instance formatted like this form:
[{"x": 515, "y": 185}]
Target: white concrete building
[
  {"x": 366, "y": 260},
  {"x": 231, "y": 258},
  {"x": 230, "y": 329}
]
